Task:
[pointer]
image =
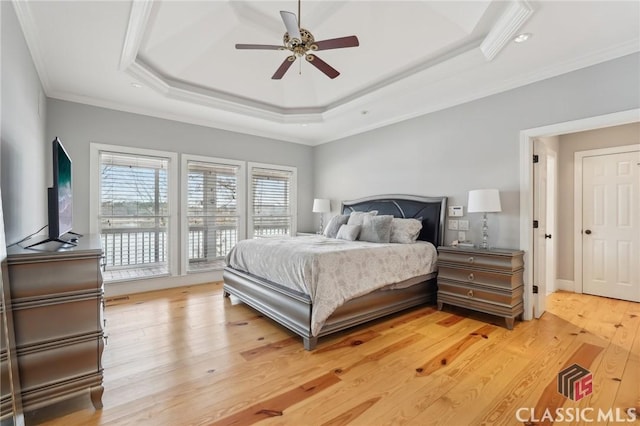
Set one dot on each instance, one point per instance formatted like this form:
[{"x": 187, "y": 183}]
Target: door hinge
[
  {"x": 535, "y": 289},
  {"x": 535, "y": 158},
  {"x": 535, "y": 224}
]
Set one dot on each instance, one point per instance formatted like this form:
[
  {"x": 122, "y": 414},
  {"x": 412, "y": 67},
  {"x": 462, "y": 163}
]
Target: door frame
[
  {"x": 527, "y": 183},
  {"x": 577, "y": 204}
]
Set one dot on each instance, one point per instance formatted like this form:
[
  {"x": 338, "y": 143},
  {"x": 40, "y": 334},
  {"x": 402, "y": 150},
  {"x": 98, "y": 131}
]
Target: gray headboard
[{"x": 431, "y": 210}]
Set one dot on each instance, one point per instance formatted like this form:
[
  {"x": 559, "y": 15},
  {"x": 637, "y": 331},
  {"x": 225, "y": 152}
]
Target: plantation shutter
[
  {"x": 134, "y": 210},
  {"x": 212, "y": 210},
  {"x": 272, "y": 203}
]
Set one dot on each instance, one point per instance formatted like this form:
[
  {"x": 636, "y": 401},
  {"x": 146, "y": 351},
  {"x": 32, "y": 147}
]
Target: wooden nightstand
[{"x": 485, "y": 280}]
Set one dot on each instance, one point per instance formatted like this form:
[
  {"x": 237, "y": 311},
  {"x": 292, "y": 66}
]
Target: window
[
  {"x": 134, "y": 212},
  {"x": 213, "y": 199},
  {"x": 272, "y": 200}
]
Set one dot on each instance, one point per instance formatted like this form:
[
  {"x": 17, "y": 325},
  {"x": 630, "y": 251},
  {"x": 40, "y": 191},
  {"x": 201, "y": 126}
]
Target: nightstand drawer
[
  {"x": 482, "y": 293},
  {"x": 487, "y": 278},
  {"x": 480, "y": 260}
]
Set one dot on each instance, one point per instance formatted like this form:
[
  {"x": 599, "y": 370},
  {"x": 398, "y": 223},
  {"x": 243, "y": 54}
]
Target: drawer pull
[
  {"x": 471, "y": 259},
  {"x": 471, "y": 277},
  {"x": 470, "y": 293}
]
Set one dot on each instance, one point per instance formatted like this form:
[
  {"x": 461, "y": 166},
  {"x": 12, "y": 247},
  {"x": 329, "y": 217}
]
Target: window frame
[
  {"x": 293, "y": 194},
  {"x": 172, "y": 196},
  {"x": 241, "y": 195}
]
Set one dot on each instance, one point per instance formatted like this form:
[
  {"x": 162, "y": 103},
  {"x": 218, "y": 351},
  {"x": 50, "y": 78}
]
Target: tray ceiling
[{"x": 176, "y": 59}]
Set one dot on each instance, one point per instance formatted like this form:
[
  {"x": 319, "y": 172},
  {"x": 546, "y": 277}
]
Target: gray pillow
[
  {"x": 348, "y": 232},
  {"x": 331, "y": 230},
  {"x": 376, "y": 229},
  {"x": 355, "y": 218},
  {"x": 405, "y": 231}
]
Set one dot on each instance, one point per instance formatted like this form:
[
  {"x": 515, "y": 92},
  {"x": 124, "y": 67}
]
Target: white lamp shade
[
  {"x": 321, "y": 205},
  {"x": 484, "y": 201}
]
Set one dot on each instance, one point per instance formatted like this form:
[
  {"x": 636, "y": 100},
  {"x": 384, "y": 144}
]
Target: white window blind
[
  {"x": 272, "y": 201},
  {"x": 134, "y": 212},
  {"x": 212, "y": 210}
]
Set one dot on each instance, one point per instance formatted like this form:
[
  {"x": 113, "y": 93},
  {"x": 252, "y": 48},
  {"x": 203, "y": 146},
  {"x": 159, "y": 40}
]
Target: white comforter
[{"x": 331, "y": 271}]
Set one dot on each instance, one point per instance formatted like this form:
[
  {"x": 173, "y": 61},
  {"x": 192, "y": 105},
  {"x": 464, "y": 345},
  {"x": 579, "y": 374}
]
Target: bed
[{"x": 295, "y": 309}]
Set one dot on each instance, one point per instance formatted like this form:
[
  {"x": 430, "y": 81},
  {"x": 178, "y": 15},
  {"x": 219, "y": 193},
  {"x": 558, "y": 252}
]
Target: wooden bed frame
[{"x": 293, "y": 309}]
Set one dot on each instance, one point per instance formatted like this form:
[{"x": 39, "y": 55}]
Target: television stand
[{"x": 50, "y": 240}]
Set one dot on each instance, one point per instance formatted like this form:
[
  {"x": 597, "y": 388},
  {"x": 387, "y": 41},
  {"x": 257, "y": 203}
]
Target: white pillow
[
  {"x": 405, "y": 231},
  {"x": 331, "y": 230},
  {"x": 355, "y": 218},
  {"x": 348, "y": 232},
  {"x": 376, "y": 229}
]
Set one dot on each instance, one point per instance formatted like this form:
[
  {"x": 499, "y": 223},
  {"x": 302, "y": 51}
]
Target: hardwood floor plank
[{"x": 189, "y": 356}]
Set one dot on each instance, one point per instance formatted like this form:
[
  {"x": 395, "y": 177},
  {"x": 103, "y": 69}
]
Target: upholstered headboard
[{"x": 431, "y": 210}]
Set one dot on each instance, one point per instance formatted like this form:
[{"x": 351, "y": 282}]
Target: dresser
[
  {"x": 485, "y": 280},
  {"x": 57, "y": 300}
]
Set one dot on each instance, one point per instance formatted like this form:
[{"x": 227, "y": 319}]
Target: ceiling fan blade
[
  {"x": 337, "y": 43},
  {"x": 289, "y": 60},
  {"x": 322, "y": 66},
  {"x": 291, "y": 23},
  {"x": 259, "y": 46}
]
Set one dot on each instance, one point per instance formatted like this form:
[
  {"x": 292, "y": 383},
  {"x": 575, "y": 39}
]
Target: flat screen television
[
  {"x": 61, "y": 194},
  {"x": 60, "y": 197}
]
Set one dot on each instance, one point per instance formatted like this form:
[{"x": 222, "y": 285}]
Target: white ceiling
[{"x": 414, "y": 57}]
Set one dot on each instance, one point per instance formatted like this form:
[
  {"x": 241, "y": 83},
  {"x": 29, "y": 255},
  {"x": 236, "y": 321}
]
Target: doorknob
[
  {"x": 588, "y": 231},
  {"x": 547, "y": 236}
]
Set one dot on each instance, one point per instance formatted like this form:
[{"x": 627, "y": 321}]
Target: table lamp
[
  {"x": 321, "y": 205},
  {"x": 484, "y": 201}
]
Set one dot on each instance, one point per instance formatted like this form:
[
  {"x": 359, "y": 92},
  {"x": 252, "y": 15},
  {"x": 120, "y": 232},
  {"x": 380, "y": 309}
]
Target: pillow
[
  {"x": 348, "y": 232},
  {"x": 331, "y": 230},
  {"x": 376, "y": 229},
  {"x": 405, "y": 231},
  {"x": 355, "y": 218}
]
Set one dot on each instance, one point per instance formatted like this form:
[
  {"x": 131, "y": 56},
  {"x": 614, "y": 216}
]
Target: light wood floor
[{"x": 191, "y": 357}]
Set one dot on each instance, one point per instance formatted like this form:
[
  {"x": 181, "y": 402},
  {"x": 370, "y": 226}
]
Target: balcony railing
[{"x": 143, "y": 247}]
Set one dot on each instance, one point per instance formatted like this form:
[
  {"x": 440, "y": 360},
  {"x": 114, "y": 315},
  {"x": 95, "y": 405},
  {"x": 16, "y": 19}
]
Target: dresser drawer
[
  {"x": 481, "y": 260},
  {"x": 68, "y": 276},
  {"x": 483, "y": 293},
  {"x": 488, "y": 278},
  {"x": 40, "y": 320}
]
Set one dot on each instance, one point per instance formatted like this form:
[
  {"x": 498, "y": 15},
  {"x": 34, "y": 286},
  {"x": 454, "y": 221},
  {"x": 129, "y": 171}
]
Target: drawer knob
[
  {"x": 471, "y": 277},
  {"x": 470, "y": 293},
  {"x": 471, "y": 259}
]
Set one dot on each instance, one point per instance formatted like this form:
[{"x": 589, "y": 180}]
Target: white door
[
  {"x": 611, "y": 225},
  {"x": 540, "y": 215}
]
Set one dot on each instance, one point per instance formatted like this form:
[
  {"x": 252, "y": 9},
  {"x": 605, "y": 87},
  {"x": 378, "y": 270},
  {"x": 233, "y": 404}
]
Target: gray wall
[
  {"x": 25, "y": 149},
  {"x": 77, "y": 125},
  {"x": 472, "y": 146},
  {"x": 570, "y": 144}
]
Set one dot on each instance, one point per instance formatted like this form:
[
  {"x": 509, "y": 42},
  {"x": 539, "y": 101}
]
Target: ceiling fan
[{"x": 300, "y": 42}]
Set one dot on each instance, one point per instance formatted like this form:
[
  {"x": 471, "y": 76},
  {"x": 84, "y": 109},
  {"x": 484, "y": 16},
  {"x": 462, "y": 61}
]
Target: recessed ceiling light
[
  {"x": 521, "y": 38},
  {"x": 136, "y": 85}
]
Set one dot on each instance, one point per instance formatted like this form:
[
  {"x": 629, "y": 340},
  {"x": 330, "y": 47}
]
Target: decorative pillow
[
  {"x": 348, "y": 232},
  {"x": 331, "y": 230},
  {"x": 376, "y": 229},
  {"x": 405, "y": 231},
  {"x": 355, "y": 218}
]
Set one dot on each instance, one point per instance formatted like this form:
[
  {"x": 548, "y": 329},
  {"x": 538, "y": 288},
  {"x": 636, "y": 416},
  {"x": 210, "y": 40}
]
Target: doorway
[{"x": 534, "y": 303}]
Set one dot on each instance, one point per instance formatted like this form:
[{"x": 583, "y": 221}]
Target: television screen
[{"x": 62, "y": 192}]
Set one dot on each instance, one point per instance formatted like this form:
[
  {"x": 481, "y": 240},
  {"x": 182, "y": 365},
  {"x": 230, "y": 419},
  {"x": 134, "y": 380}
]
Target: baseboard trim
[
  {"x": 121, "y": 288},
  {"x": 565, "y": 285}
]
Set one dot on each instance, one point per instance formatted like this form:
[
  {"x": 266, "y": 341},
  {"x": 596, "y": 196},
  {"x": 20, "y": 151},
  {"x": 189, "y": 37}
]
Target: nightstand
[{"x": 485, "y": 280}]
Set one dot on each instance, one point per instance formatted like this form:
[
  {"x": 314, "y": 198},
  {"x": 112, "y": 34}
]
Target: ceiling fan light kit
[{"x": 300, "y": 42}]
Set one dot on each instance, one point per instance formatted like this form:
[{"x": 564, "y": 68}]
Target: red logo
[{"x": 575, "y": 382}]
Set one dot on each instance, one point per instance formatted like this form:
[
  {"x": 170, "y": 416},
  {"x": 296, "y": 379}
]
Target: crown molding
[
  {"x": 30, "y": 31},
  {"x": 138, "y": 19},
  {"x": 505, "y": 28}
]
